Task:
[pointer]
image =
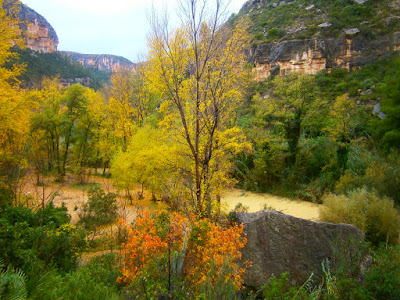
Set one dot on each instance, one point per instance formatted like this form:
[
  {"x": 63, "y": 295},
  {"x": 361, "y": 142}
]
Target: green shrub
[
  {"x": 97, "y": 280},
  {"x": 373, "y": 171},
  {"x": 6, "y": 196},
  {"x": 35, "y": 241},
  {"x": 374, "y": 215},
  {"x": 12, "y": 283},
  {"x": 382, "y": 281},
  {"x": 86, "y": 284},
  {"x": 101, "y": 209},
  {"x": 280, "y": 288}
]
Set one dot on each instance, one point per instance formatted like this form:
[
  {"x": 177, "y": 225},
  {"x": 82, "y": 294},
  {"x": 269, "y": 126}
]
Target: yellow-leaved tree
[
  {"x": 198, "y": 69},
  {"x": 146, "y": 162},
  {"x": 128, "y": 101},
  {"x": 14, "y": 108}
]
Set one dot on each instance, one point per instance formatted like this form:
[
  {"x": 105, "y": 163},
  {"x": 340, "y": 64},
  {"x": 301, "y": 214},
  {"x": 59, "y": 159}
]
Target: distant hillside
[
  {"x": 42, "y": 59},
  {"x": 275, "y": 20},
  {"x": 312, "y": 35},
  {"x": 39, "y": 65},
  {"x": 102, "y": 62}
]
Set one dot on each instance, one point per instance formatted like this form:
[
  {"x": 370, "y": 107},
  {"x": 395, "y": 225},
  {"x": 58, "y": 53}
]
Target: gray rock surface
[
  {"x": 352, "y": 31},
  {"x": 377, "y": 111},
  {"x": 279, "y": 243},
  {"x": 324, "y": 25}
]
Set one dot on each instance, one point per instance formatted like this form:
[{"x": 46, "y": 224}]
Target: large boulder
[{"x": 279, "y": 243}]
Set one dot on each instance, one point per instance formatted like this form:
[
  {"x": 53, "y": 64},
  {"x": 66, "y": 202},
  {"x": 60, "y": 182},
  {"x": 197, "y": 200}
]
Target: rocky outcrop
[
  {"x": 279, "y": 243},
  {"x": 103, "y": 62},
  {"x": 313, "y": 55},
  {"x": 39, "y": 34},
  {"x": 66, "y": 82}
]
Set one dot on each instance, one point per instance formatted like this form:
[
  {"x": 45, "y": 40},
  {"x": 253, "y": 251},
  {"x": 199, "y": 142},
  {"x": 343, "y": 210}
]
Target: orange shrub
[
  {"x": 210, "y": 246},
  {"x": 158, "y": 248},
  {"x": 150, "y": 239}
]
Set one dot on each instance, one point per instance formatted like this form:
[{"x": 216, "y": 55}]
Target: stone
[
  {"x": 366, "y": 92},
  {"x": 275, "y": 70},
  {"x": 352, "y": 31},
  {"x": 377, "y": 111},
  {"x": 310, "y": 7},
  {"x": 279, "y": 243},
  {"x": 360, "y": 1},
  {"x": 325, "y": 25},
  {"x": 275, "y": 4}
]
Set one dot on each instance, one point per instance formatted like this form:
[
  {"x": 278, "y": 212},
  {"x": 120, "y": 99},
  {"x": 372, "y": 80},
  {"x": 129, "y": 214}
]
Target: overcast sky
[{"x": 116, "y": 27}]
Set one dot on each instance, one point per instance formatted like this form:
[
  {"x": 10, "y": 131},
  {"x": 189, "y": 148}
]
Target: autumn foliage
[{"x": 164, "y": 248}]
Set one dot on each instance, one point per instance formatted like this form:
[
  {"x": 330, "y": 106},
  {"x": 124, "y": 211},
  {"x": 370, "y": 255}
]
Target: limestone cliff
[
  {"x": 310, "y": 35},
  {"x": 313, "y": 55},
  {"x": 103, "y": 62},
  {"x": 39, "y": 34}
]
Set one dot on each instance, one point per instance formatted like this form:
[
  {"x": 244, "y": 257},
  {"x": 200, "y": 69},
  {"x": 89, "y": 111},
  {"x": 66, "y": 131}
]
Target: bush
[
  {"x": 167, "y": 254},
  {"x": 280, "y": 288},
  {"x": 35, "y": 241},
  {"x": 97, "y": 280},
  {"x": 84, "y": 284},
  {"x": 382, "y": 281},
  {"x": 375, "y": 172},
  {"x": 366, "y": 210},
  {"x": 101, "y": 209},
  {"x": 12, "y": 283}
]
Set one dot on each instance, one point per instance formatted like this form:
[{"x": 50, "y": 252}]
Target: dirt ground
[{"x": 73, "y": 195}]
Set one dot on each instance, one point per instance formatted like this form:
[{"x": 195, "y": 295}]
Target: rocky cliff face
[
  {"x": 40, "y": 35},
  {"x": 109, "y": 63},
  {"x": 309, "y": 36},
  {"x": 313, "y": 55}
]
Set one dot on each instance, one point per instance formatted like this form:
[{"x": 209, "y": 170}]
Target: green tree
[
  {"x": 74, "y": 101},
  {"x": 14, "y": 107},
  {"x": 289, "y": 105},
  {"x": 46, "y": 127},
  {"x": 342, "y": 128},
  {"x": 151, "y": 161},
  {"x": 389, "y": 128}
]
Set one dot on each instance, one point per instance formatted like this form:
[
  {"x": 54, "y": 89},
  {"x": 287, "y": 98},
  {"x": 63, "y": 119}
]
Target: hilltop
[
  {"x": 42, "y": 58},
  {"x": 313, "y": 35}
]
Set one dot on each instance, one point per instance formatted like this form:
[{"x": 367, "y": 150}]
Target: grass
[{"x": 85, "y": 186}]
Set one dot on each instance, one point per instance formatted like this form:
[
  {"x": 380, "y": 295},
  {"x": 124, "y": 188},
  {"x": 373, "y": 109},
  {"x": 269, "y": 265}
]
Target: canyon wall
[
  {"x": 313, "y": 55},
  {"x": 103, "y": 62},
  {"x": 39, "y": 34}
]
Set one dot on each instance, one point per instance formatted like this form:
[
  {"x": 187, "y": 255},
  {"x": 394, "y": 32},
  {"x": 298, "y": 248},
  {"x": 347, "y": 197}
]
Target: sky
[{"x": 117, "y": 27}]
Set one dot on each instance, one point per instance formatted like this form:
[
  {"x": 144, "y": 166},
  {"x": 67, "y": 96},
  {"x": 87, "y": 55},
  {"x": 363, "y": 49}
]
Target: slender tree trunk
[{"x": 67, "y": 144}]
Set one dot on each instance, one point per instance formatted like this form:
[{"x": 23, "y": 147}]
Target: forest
[{"x": 167, "y": 140}]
